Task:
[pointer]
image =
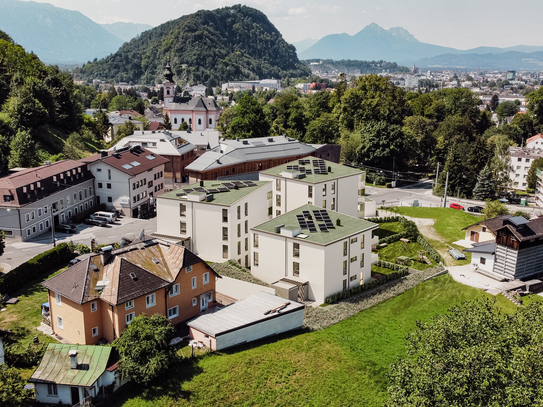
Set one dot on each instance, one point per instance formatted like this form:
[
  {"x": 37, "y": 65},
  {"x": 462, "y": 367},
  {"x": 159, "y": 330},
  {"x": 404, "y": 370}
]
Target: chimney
[
  {"x": 329, "y": 169},
  {"x": 201, "y": 183},
  {"x": 338, "y": 222},
  {"x": 103, "y": 153},
  {"x": 73, "y": 359},
  {"x": 106, "y": 254}
]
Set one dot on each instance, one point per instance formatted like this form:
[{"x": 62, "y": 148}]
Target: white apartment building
[
  {"x": 535, "y": 141},
  {"x": 520, "y": 163},
  {"x": 313, "y": 181},
  {"x": 213, "y": 219},
  {"x": 310, "y": 253},
  {"x": 127, "y": 179}
]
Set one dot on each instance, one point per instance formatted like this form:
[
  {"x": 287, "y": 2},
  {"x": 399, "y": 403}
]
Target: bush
[
  {"x": 389, "y": 184},
  {"x": 385, "y": 219},
  {"x": 410, "y": 227},
  {"x": 401, "y": 272},
  {"x": 393, "y": 238},
  {"x": 432, "y": 253},
  {"x": 35, "y": 267},
  {"x": 530, "y": 190}
]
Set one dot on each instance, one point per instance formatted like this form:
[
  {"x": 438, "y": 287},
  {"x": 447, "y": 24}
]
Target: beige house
[{"x": 485, "y": 230}]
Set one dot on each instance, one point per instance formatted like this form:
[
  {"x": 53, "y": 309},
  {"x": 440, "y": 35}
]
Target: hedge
[
  {"x": 35, "y": 267},
  {"x": 432, "y": 253},
  {"x": 370, "y": 284},
  {"x": 385, "y": 219},
  {"x": 391, "y": 266},
  {"x": 393, "y": 238}
]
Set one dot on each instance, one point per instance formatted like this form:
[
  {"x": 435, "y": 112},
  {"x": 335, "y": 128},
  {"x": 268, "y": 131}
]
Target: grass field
[
  {"x": 344, "y": 365},
  {"x": 391, "y": 252},
  {"x": 388, "y": 229}
]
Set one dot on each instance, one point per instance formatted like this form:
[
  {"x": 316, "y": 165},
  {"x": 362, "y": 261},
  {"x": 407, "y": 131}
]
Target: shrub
[
  {"x": 394, "y": 238},
  {"x": 432, "y": 253},
  {"x": 35, "y": 267},
  {"x": 386, "y": 219},
  {"x": 389, "y": 185}
]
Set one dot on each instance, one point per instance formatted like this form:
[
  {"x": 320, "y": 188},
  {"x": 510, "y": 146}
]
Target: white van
[{"x": 110, "y": 216}]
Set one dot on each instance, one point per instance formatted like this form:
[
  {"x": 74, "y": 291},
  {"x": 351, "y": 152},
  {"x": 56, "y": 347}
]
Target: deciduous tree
[
  {"x": 12, "y": 388},
  {"x": 23, "y": 151},
  {"x": 531, "y": 179},
  {"x": 494, "y": 208}
]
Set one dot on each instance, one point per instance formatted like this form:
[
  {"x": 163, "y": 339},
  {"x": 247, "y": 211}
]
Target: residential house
[
  {"x": 116, "y": 120},
  {"x": 35, "y": 198},
  {"x": 68, "y": 374},
  {"x": 311, "y": 253},
  {"x": 127, "y": 179},
  {"x": 485, "y": 230},
  {"x": 258, "y": 316},
  {"x": 94, "y": 300},
  {"x": 249, "y": 156},
  {"x": 483, "y": 255},
  {"x": 173, "y": 147},
  {"x": 315, "y": 182},
  {"x": 213, "y": 218},
  {"x": 520, "y": 162},
  {"x": 539, "y": 187},
  {"x": 535, "y": 141}
]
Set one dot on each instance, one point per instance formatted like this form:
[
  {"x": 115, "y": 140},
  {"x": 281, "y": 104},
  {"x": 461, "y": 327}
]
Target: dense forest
[
  {"x": 349, "y": 66},
  {"x": 210, "y": 47},
  {"x": 381, "y": 127}
]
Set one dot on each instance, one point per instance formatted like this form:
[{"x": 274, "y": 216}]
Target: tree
[
  {"x": 500, "y": 162},
  {"x": 125, "y": 129},
  {"x": 184, "y": 126},
  {"x": 494, "y": 208},
  {"x": 484, "y": 188},
  {"x": 209, "y": 91},
  {"x": 419, "y": 131},
  {"x": 167, "y": 122},
  {"x": 144, "y": 348},
  {"x": 531, "y": 179},
  {"x": 23, "y": 151},
  {"x": 12, "y": 388},
  {"x": 2, "y": 242},
  {"x": 474, "y": 355},
  {"x": 535, "y": 105},
  {"x": 526, "y": 125},
  {"x": 506, "y": 109},
  {"x": 249, "y": 120},
  {"x": 381, "y": 143},
  {"x": 494, "y": 102},
  {"x": 74, "y": 148},
  {"x": 323, "y": 130}
]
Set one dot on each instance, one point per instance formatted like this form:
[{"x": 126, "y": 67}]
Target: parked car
[
  {"x": 503, "y": 200},
  {"x": 96, "y": 221},
  {"x": 476, "y": 209},
  {"x": 457, "y": 254},
  {"x": 456, "y": 206},
  {"x": 110, "y": 216},
  {"x": 65, "y": 228}
]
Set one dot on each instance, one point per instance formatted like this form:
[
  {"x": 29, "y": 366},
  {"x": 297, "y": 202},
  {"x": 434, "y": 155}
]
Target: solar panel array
[
  {"x": 319, "y": 167},
  {"x": 218, "y": 188},
  {"x": 305, "y": 220}
]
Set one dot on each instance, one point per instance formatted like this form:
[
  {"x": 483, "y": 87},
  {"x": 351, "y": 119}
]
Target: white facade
[
  {"x": 217, "y": 231},
  {"x": 520, "y": 162},
  {"x": 482, "y": 261}
]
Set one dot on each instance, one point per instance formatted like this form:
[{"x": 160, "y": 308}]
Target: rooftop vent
[
  {"x": 329, "y": 169},
  {"x": 270, "y": 139},
  {"x": 73, "y": 359},
  {"x": 155, "y": 261},
  {"x": 278, "y": 228},
  {"x": 245, "y": 141},
  {"x": 94, "y": 267},
  {"x": 237, "y": 138},
  {"x": 133, "y": 275}
]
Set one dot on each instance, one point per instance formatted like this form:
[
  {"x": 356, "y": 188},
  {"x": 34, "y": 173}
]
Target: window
[
  {"x": 246, "y": 226},
  {"x": 27, "y": 217},
  {"x": 45, "y": 209},
  {"x": 224, "y": 251},
  {"x": 278, "y": 185},
  {"x": 109, "y": 199},
  {"x": 99, "y": 185},
  {"x": 150, "y": 300},
  {"x": 345, "y": 248},
  {"x": 277, "y": 212},
  {"x": 324, "y": 203},
  {"x": 354, "y": 240},
  {"x": 108, "y": 174},
  {"x": 173, "y": 312},
  {"x": 246, "y": 208},
  {"x": 188, "y": 269},
  {"x": 324, "y": 190},
  {"x": 52, "y": 389},
  {"x": 518, "y": 167},
  {"x": 246, "y": 244},
  {"x": 362, "y": 241},
  {"x": 94, "y": 331},
  {"x": 255, "y": 259},
  {"x": 255, "y": 240},
  {"x": 353, "y": 259},
  {"x": 194, "y": 302},
  {"x": 225, "y": 215},
  {"x": 39, "y": 211},
  {"x": 310, "y": 191},
  {"x": 527, "y": 160},
  {"x": 277, "y": 200},
  {"x": 483, "y": 229},
  {"x": 28, "y": 232},
  {"x": 46, "y": 223},
  {"x": 270, "y": 195},
  {"x": 333, "y": 204},
  {"x": 296, "y": 250},
  {"x": 344, "y": 267},
  {"x": 362, "y": 260},
  {"x": 296, "y": 269},
  {"x": 199, "y": 121},
  {"x": 333, "y": 188},
  {"x": 58, "y": 299},
  {"x": 183, "y": 227},
  {"x": 60, "y": 322},
  {"x": 224, "y": 233},
  {"x": 33, "y": 215},
  {"x": 94, "y": 306},
  {"x": 108, "y": 186},
  {"x": 239, "y": 212},
  {"x": 174, "y": 290},
  {"x": 206, "y": 278},
  {"x": 344, "y": 285},
  {"x": 519, "y": 159},
  {"x": 482, "y": 260},
  {"x": 239, "y": 229},
  {"x": 353, "y": 278},
  {"x": 129, "y": 318},
  {"x": 193, "y": 282}
]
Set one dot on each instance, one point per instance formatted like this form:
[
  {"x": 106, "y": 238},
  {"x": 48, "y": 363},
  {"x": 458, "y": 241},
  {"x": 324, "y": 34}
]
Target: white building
[
  {"x": 213, "y": 219},
  {"x": 535, "y": 141},
  {"x": 520, "y": 162},
  {"x": 127, "y": 179},
  {"x": 315, "y": 182},
  {"x": 311, "y": 253}
]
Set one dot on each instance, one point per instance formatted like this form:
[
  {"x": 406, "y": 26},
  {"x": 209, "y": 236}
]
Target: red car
[{"x": 456, "y": 206}]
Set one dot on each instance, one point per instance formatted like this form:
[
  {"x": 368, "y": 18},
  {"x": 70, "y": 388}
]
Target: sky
[{"x": 460, "y": 24}]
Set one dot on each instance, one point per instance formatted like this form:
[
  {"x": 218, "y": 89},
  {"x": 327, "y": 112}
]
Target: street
[{"x": 17, "y": 253}]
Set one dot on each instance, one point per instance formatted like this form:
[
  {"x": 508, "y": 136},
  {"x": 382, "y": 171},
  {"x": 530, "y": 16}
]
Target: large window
[
  {"x": 255, "y": 240},
  {"x": 333, "y": 188},
  {"x": 94, "y": 331},
  {"x": 296, "y": 269},
  {"x": 52, "y": 389},
  {"x": 224, "y": 251},
  {"x": 173, "y": 312},
  {"x": 239, "y": 247},
  {"x": 333, "y": 204},
  {"x": 239, "y": 212},
  {"x": 362, "y": 260},
  {"x": 58, "y": 299},
  {"x": 277, "y": 200},
  {"x": 296, "y": 250},
  {"x": 224, "y": 233},
  {"x": 225, "y": 215},
  {"x": 278, "y": 185},
  {"x": 129, "y": 304},
  {"x": 60, "y": 322},
  {"x": 174, "y": 290},
  {"x": 255, "y": 259},
  {"x": 193, "y": 282},
  {"x": 246, "y": 226},
  {"x": 324, "y": 190},
  {"x": 362, "y": 241},
  {"x": 183, "y": 228},
  {"x": 129, "y": 318},
  {"x": 94, "y": 306},
  {"x": 345, "y": 248},
  {"x": 206, "y": 278},
  {"x": 246, "y": 209},
  {"x": 344, "y": 267},
  {"x": 182, "y": 209},
  {"x": 310, "y": 191},
  {"x": 151, "y": 300},
  {"x": 239, "y": 229}
]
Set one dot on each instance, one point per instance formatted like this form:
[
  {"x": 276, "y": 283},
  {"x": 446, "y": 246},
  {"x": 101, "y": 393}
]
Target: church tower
[{"x": 169, "y": 85}]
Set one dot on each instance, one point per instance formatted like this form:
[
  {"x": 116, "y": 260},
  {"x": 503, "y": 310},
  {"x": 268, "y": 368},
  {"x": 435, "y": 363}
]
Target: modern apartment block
[
  {"x": 213, "y": 218},
  {"x": 311, "y": 253},
  {"x": 312, "y": 181},
  {"x": 520, "y": 163},
  {"x": 33, "y": 199}
]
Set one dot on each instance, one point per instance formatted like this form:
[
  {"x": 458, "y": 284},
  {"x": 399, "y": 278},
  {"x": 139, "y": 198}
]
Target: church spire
[{"x": 168, "y": 74}]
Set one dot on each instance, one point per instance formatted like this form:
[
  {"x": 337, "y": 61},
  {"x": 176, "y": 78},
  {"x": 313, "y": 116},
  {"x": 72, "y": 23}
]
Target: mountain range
[
  {"x": 399, "y": 45},
  {"x": 59, "y": 36}
]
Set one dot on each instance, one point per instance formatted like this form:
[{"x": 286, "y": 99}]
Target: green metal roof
[
  {"x": 55, "y": 367},
  {"x": 338, "y": 171},
  {"x": 348, "y": 225},
  {"x": 221, "y": 198}
]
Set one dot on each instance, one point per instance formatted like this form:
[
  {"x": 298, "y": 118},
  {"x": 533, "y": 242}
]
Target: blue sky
[{"x": 460, "y": 24}]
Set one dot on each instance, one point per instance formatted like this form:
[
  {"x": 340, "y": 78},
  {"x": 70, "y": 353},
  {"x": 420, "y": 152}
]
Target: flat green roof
[
  {"x": 55, "y": 366},
  {"x": 338, "y": 171},
  {"x": 219, "y": 198},
  {"x": 349, "y": 225}
]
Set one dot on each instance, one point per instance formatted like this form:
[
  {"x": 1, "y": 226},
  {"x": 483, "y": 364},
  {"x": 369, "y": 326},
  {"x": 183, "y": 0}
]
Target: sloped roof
[
  {"x": 482, "y": 247},
  {"x": 55, "y": 366},
  {"x": 167, "y": 144},
  {"x": 527, "y": 231},
  {"x": 492, "y": 224},
  {"x": 533, "y": 138},
  {"x": 123, "y": 161},
  {"x": 195, "y": 104}
]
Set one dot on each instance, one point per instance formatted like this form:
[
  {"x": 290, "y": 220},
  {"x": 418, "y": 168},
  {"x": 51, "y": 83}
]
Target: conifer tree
[{"x": 484, "y": 188}]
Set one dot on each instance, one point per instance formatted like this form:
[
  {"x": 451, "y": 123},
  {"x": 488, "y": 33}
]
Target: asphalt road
[{"x": 17, "y": 253}]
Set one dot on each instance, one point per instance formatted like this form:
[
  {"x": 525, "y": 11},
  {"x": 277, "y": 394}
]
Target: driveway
[{"x": 466, "y": 275}]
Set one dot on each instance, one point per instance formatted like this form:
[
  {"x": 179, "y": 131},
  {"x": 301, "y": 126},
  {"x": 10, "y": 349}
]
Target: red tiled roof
[
  {"x": 534, "y": 138},
  {"x": 127, "y": 158}
]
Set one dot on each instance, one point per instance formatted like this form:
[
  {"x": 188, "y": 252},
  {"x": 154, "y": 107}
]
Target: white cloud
[
  {"x": 330, "y": 9},
  {"x": 300, "y": 11}
]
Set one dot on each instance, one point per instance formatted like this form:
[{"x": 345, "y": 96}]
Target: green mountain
[
  {"x": 126, "y": 31},
  {"x": 230, "y": 43}
]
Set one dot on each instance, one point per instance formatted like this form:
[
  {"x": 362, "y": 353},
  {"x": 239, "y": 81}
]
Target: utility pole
[
  {"x": 53, "y": 227},
  {"x": 437, "y": 175},
  {"x": 393, "y": 172},
  {"x": 445, "y": 195}
]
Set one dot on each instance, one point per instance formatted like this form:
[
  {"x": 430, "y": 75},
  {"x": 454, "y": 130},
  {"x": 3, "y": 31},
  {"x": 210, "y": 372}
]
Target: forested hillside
[{"x": 230, "y": 43}]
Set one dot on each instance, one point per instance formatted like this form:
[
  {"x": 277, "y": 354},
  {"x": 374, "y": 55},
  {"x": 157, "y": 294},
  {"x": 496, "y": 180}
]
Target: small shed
[{"x": 257, "y": 316}]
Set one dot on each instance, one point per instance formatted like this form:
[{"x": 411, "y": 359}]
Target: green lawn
[
  {"x": 344, "y": 365},
  {"x": 388, "y": 229},
  {"x": 380, "y": 270},
  {"x": 391, "y": 252}
]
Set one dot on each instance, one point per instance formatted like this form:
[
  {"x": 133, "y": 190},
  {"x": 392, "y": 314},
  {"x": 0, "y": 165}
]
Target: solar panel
[
  {"x": 323, "y": 227},
  {"x": 312, "y": 229},
  {"x": 213, "y": 191},
  {"x": 188, "y": 190},
  {"x": 289, "y": 167},
  {"x": 223, "y": 189},
  {"x": 179, "y": 194},
  {"x": 311, "y": 224},
  {"x": 305, "y": 213},
  {"x": 228, "y": 184}
]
